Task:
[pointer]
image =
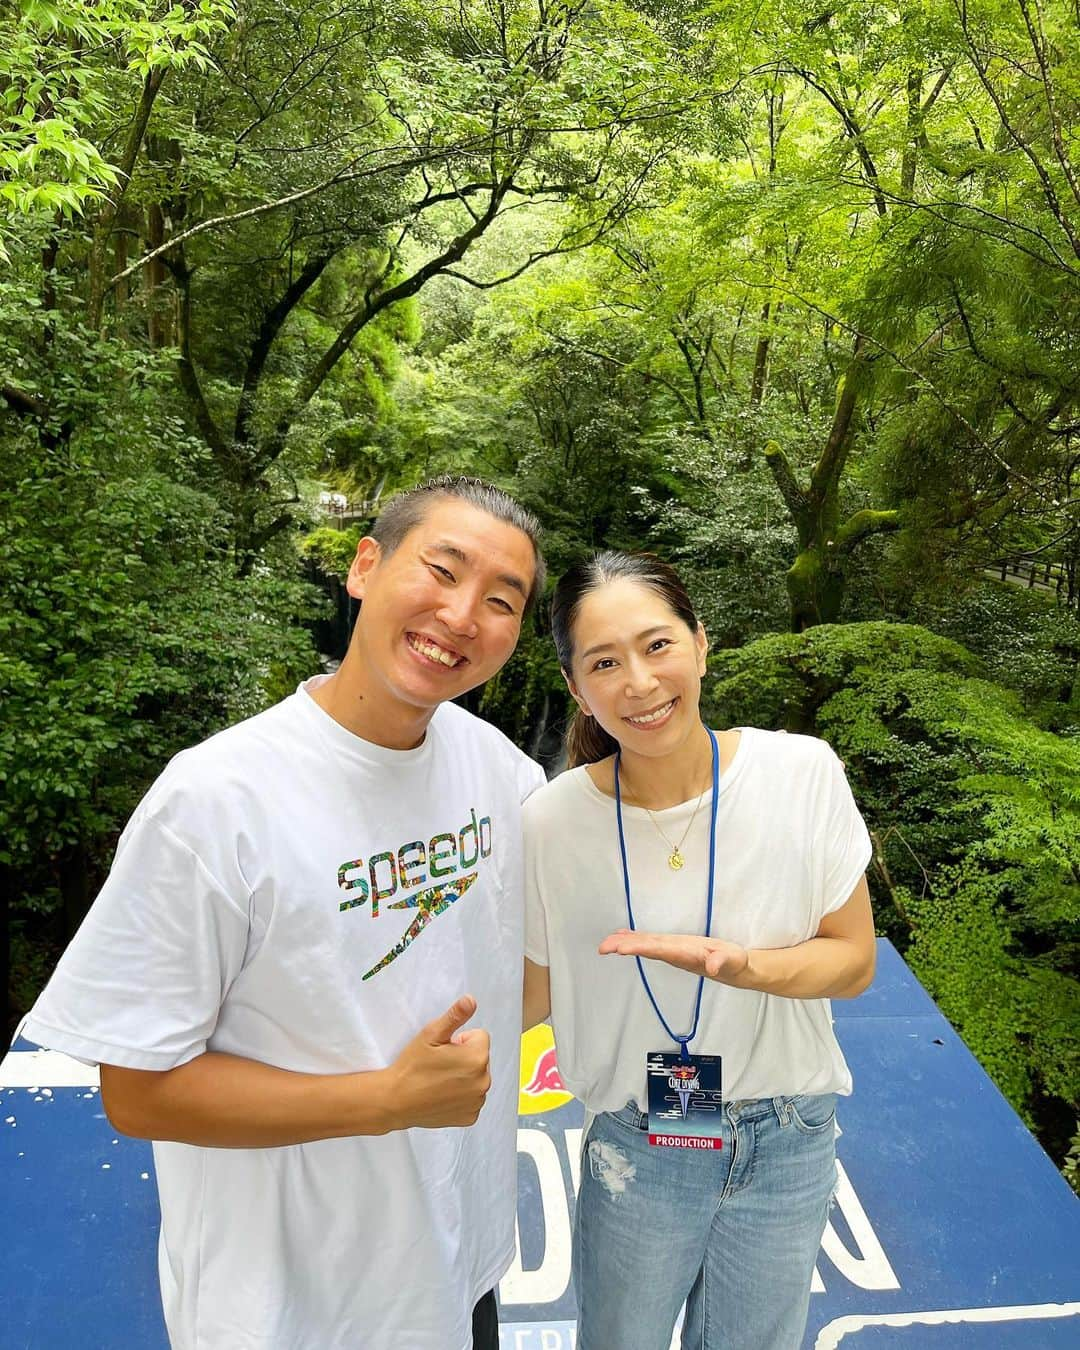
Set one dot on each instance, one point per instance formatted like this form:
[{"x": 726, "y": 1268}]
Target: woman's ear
[
  {"x": 701, "y": 642},
  {"x": 574, "y": 693}
]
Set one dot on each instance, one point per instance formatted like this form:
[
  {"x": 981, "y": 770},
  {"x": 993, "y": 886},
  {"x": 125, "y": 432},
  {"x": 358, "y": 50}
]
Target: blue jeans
[{"x": 734, "y": 1232}]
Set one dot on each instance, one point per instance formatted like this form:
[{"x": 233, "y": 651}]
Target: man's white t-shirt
[
  {"x": 790, "y": 848},
  {"x": 293, "y": 894}
]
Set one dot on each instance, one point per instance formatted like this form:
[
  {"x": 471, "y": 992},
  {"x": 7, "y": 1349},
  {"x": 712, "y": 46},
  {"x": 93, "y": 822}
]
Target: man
[{"x": 303, "y": 914}]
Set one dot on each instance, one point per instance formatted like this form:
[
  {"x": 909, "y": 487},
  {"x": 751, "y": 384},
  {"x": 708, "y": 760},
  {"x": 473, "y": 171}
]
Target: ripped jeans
[{"x": 734, "y": 1232}]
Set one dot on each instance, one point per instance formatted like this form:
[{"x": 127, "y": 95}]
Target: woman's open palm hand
[{"x": 712, "y": 957}]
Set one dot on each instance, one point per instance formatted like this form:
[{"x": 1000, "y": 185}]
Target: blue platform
[{"x": 952, "y": 1230}]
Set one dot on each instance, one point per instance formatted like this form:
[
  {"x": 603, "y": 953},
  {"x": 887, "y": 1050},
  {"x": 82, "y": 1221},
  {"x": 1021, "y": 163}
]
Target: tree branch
[
  {"x": 794, "y": 497},
  {"x": 347, "y": 174},
  {"x": 1038, "y": 43},
  {"x": 1049, "y": 192},
  {"x": 372, "y": 306},
  {"x": 831, "y": 464},
  {"x": 189, "y": 379},
  {"x": 861, "y": 525},
  {"x": 268, "y": 330}
]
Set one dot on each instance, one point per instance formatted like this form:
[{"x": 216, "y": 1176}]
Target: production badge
[{"x": 684, "y": 1100}]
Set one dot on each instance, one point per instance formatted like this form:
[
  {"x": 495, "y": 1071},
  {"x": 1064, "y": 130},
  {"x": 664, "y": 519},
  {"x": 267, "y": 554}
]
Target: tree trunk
[
  {"x": 761, "y": 357},
  {"x": 157, "y": 325},
  {"x": 914, "y": 133},
  {"x": 103, "y": 226},
  {"x": 74, "y": 888},
  {"x": 815, "y": 589}
]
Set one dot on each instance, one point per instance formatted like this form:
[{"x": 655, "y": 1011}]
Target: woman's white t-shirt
[{"x": 790, "y": 848}]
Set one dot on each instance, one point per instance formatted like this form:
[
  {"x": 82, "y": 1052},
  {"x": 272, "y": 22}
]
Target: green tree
[
  {"x": 125, "y": 633},
  {"x": 976, "y": 826},
  {"x": 58, "y": 61}
]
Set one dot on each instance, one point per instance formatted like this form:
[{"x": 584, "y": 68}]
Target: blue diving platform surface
[{"x": 952, "y": 1229}]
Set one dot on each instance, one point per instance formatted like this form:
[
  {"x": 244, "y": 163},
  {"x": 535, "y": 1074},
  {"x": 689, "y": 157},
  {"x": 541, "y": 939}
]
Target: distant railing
[
  {"x": 1038, "y": 574},
  {"x": 1031, "y": 572},
  {"x": 341, "y": 509}
]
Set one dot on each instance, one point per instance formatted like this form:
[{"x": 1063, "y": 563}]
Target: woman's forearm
[
  {"x": 837, "y": 962},
  {"x": 823, "y": 967},
  {"x": 536, "y": 995}
]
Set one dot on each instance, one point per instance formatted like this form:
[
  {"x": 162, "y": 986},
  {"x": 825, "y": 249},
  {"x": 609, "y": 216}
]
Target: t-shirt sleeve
[
  {"x": 536, "y": 942},
  {"x": 143, "y": 980},
  {"x": 530, "y": 777},
  {"x": 846, "y": 847}
]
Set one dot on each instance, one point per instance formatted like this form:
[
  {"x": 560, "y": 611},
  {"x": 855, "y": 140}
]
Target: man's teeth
[
  {"x": 653, "y": 716},
  {"x": 435, "y": 653}
]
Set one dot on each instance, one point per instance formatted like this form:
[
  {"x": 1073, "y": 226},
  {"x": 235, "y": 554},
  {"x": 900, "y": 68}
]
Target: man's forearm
[
  {"x": 819, "y": 968},
  {"x": 439, "y": 1079},
  {"x": 224, "y": 1101}
]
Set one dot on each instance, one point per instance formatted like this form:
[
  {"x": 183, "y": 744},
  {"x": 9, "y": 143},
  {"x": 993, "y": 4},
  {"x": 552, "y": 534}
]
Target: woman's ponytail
[{"x": 587, "y": 742}]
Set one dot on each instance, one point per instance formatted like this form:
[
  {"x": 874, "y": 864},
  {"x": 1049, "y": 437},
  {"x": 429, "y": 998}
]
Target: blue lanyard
[{"x": 682, "y": 1041}]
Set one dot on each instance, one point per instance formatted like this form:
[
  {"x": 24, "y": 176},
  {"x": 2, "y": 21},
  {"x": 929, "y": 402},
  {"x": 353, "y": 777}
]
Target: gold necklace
[{"x": 676, "y": 861}]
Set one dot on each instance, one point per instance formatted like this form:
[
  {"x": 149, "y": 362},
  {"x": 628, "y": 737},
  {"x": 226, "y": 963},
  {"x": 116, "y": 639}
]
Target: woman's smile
[{"x": 655, "y": 718}]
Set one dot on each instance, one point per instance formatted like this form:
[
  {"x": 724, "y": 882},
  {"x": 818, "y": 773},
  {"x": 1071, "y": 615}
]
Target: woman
[{"x": 690, "y": 895}]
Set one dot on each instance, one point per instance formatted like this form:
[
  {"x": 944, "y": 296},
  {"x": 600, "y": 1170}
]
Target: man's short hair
[{"x": 405, "y": 510}]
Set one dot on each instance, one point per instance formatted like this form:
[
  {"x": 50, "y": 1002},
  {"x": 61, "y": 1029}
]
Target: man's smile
[{"x": 434, "y": 651}]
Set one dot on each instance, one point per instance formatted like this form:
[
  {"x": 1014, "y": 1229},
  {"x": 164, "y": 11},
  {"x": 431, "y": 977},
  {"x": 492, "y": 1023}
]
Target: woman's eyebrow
[
  {"x": 640, "y": 637},
  {"x": 507, "y": 578}
]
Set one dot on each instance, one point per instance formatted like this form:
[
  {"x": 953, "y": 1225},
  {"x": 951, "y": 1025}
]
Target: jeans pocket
[
  {"x": 617, "y": 1120},
  {"x": 813, "y": 1113}
]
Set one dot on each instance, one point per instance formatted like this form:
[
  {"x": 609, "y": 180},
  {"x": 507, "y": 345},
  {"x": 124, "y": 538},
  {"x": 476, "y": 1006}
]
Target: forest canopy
[{"x": 787, "y": 293}]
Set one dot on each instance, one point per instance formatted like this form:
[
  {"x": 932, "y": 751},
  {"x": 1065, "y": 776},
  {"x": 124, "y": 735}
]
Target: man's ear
[
  {"x": 574, "y": 693},
  {"x": 701, "y": 642},
  {"x": 368, "y": 555}
]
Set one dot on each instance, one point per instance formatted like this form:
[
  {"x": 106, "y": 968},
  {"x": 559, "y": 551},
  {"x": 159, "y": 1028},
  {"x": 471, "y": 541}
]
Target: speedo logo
[{"x": 383, "y": 875}]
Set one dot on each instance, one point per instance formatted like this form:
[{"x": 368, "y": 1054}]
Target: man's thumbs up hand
[
  {"x": 441, "y": 1030},
  {"x": 441, "y": 1077}
]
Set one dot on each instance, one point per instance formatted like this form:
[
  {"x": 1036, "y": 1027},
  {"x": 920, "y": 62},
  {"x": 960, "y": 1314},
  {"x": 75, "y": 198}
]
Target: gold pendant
[{"x": 676, "y": 862}]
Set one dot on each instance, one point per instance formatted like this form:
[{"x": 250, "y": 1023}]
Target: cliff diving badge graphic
[{"x": 683, "y": 1080}]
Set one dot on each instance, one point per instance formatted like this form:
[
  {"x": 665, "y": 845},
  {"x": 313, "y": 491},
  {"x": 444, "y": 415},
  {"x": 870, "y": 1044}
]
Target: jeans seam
[{"x": 735, "y": 1150}]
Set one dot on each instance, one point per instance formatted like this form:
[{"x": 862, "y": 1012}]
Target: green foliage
[
  {"x": 527, "y": 699},
  {"x": 1071, "y": 1169},
  {"x": 976, "y": 813},
  {"x": 58, "y": 59},
  {"x": 1025, "y": 641},
  {"x": 785, "y": 681},
  {"x": 332, "y": 549},
  {"x": 125, "y": 632}
]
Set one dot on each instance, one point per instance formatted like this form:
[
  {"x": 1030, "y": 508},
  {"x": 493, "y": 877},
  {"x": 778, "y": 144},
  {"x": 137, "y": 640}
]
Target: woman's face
[{"x": 637, "y": 667}]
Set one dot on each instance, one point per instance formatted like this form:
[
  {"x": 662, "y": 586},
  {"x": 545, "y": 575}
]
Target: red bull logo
[
  {"x": 546, "y": 1075},
  {"x": 541, "y": 1087}
]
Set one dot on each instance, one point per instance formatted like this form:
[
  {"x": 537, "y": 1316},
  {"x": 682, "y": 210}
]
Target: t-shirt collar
[{"x": 347, "y": 743}]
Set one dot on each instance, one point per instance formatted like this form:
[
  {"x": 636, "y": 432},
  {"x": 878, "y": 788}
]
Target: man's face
[{"x": 442, "y": 613}]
